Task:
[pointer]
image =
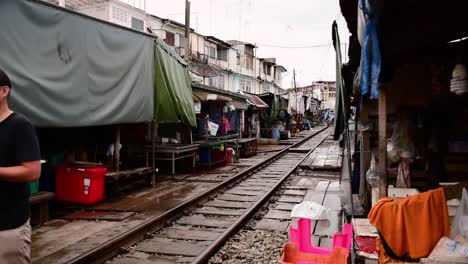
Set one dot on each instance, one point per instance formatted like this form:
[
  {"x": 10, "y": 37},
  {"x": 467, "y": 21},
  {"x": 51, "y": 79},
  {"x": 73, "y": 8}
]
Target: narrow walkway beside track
[
  {"x": 194, "y": 237},
  {"x": 65, "y": 240}
]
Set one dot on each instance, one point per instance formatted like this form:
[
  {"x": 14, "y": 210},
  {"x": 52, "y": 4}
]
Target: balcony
[{"x": 180, "y": 51}]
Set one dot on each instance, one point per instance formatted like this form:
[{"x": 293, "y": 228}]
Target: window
[
  {"x": 221, "y": 82},
  {"x": 180, "y": 51},
  {"x": 246, "y": 85},
  {"x": 268, "y": 70},
  {"x": 212, "y": 52},
  {"x": 170, "y": 39},
  {"x": 222, "y": 53},
  {"x": 180, "y": 40},
  {"x": 138, "y": 24},
  {"x": 119, "y": 15},
  {"x": 238, "y": 59},
  {"x": 212, "y": 82},
  {"x": 249, "y": 62},
  {"x": 249, "y": 50}
]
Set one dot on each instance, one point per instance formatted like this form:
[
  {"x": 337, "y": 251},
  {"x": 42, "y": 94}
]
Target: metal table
[
  {"x": 249, "y": 146},
  {"x": 216, "y": 141},
  {"x": 173, "y": 152}
]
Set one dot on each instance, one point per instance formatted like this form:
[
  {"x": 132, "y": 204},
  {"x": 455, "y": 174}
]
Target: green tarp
[
  {"x": 69, "y": 70},
  {"x": 173, "y": 99}
]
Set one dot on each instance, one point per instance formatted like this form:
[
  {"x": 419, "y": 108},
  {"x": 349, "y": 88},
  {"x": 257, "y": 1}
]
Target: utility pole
[
  {"x": 187, "y": 30},
  {"x": 295, "y": 94},
  {"x": 294, "y": 80}
]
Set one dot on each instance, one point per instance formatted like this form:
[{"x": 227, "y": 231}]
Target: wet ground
[
  {"x": 61, "y": 240},
  {"x": 262, "y": 239}
]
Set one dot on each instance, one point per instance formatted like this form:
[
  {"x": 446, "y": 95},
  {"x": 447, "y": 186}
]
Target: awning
[
  {"x": 172, "y": 87},
  {"x": 256, "y": 101},
  {"x": 204, "y": 69},
  {"x": 205, "y": 97},
  {"x": 239, "y": 105}
]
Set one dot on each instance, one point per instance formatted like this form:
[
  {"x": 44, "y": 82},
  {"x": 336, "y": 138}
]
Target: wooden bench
[
  {"x": 123, "y": 180},
  {"x": 40, "y": 207},
  {"x": 127, "y": 174}
]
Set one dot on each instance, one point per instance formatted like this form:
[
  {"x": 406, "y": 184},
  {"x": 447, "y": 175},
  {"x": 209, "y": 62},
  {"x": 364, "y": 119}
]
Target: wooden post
[
  {"x": 365, "y": 189},
  {"x": 382, "y": 142},
  {"x": 154, "y": 132},
  {"x": 116, "y": 149},
  {"x": 190, "y": 134},
  {"x": 207, "y": 119}
]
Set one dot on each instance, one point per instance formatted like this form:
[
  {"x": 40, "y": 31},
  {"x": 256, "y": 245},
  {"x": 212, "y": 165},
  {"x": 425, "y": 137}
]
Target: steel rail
[
  {"x": 240, "y": 223},
  {"x": 111, "y": 248}
]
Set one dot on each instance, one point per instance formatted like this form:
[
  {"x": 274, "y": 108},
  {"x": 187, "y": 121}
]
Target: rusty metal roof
[{"x": 256, "y": 101}]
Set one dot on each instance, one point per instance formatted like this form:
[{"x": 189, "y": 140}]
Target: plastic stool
[
  {"x": 302, "y": 237},
  {"x": 292, "y": 255}
]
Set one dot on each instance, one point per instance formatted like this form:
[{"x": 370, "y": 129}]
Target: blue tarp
[{"x": 371, "y": 58}]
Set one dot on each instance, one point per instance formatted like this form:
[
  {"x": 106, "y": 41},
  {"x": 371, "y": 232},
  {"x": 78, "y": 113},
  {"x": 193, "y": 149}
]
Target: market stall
[
  {"x": 407, "y": 77},
  {"x": 218, "y": 120},
  {"x": 252, "y": 117},
  {"x": 92, "y": 110}
]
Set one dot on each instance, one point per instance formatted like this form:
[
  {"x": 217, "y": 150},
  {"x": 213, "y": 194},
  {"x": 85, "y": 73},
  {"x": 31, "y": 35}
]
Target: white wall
[
  {"x": 100, "y": 12},
  {"x": 197, "y": 42},
  {"x": 232, "y": 59},
  {"x": 121, "y": 14},
  {"x": 155, "y": 25}
]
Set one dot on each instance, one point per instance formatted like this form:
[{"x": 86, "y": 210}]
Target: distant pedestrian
[{"x": 19, "y": 164}]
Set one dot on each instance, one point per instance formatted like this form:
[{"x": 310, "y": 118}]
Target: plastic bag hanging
[{"x": 460, "y": 222}]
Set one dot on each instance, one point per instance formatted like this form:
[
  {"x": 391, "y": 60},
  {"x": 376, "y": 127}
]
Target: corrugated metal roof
[
  {"x": 205, "y": 97},
  {"x": 239, "y": 105},
  {"x": 257, "y": 102}
]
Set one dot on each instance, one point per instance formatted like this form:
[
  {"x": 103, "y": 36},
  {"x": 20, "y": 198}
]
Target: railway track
[{"x": 193, "y": 231}]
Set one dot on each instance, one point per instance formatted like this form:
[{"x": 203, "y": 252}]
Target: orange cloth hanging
[{"x": 411, "y": 227}]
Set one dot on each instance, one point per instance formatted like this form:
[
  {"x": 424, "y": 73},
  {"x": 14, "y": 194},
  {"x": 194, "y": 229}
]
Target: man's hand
[{"x": 28, "y": 171}]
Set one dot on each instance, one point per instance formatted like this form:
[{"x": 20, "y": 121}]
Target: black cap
[{"x": 4, "y": 80}]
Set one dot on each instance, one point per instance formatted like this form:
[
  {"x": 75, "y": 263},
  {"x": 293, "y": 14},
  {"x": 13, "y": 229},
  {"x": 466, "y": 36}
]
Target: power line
[{"x": 298, "y": 47}]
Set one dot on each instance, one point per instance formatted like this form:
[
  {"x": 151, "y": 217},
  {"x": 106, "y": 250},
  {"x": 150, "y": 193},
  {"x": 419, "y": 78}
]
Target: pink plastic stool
[
  {"x": 302, "y": 237},
  {"x": 292, "y": 255}
]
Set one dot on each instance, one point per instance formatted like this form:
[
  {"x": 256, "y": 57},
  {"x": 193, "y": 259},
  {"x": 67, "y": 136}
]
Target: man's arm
[{"x": 28, "y": 171}]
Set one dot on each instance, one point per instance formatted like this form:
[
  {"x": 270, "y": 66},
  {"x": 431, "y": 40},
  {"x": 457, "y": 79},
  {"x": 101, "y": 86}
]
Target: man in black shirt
[{"x": 19, "y": 165}]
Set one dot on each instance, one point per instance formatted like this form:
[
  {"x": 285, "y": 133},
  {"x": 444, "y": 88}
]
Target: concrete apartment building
[
  {"x": 113, "y": 11},
  {"x": 325, "y": 91},
  {"x": 227, "y": 65}
]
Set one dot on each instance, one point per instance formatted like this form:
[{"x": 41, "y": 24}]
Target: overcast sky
[{"x": 267, "y": 23}]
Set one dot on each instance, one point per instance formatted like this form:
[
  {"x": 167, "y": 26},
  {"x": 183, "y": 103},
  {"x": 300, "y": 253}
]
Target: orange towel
[{"x": 411, "y": 227}]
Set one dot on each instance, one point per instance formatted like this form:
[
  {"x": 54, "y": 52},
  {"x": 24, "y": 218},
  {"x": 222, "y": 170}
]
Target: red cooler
[
  {"x": 230, "y": 151},
  {"x": 80, "y": 185}
]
